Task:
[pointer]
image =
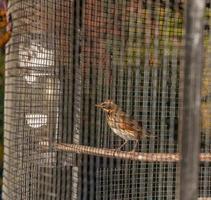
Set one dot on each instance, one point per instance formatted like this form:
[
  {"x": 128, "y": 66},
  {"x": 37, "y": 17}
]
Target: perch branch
[{"x": 112, "y": 153}]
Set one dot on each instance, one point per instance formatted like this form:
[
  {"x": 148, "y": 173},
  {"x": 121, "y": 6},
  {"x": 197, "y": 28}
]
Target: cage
[{"x": 65, "y": 57}]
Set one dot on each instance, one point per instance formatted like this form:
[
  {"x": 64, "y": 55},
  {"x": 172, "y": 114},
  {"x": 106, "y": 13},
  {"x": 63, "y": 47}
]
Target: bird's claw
[{"x": 133, "y": 151}]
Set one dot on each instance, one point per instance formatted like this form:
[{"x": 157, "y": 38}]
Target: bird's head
[{"x": 107, "y": 106}]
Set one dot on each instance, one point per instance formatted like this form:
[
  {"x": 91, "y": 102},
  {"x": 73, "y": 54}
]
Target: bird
[{"x": 123, "y": 125}]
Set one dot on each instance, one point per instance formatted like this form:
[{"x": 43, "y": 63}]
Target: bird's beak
[{"x": 98, "y": 105}]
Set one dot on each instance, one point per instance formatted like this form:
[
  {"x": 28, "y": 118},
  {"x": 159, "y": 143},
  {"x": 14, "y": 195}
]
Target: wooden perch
[{"x": 112, "y": 153}]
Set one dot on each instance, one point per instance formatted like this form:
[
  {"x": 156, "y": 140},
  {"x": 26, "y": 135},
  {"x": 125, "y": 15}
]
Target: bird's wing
[
  {"x": 146, "y": 132},
  {"x": 130, "y": 125},
  {"x": 135, "y": 126}
]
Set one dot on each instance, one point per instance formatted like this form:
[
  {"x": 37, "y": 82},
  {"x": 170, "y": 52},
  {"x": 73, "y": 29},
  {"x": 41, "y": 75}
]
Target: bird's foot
[
  {"x": 116, "y": 150},
  {"x": 133, "y": 151}
]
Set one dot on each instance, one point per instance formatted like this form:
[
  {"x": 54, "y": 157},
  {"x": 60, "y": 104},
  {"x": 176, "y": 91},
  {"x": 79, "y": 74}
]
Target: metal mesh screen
[
  {"x": 39, "y": 80},
  {"x": 67, "y": 56},
  {"x": 131, "y": 52},
  {"x": 204, "y": 176}
]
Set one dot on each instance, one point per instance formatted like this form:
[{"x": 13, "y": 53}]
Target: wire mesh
[
  {"x": 133, "y": 57},
  {"x": 67, "y": 56},
  {"x": 38, "y": 77},
  {"x": 204, "y": 176}
]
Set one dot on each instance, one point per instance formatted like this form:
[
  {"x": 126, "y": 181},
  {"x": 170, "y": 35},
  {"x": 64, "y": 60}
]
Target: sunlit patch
[
  {"x": 36, "y": 56},
  {"x": 36, "y": 120},
  {"x": 31, "y": 78}
]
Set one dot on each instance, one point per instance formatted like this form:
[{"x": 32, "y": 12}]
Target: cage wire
[{"x": 67, "y": 56}]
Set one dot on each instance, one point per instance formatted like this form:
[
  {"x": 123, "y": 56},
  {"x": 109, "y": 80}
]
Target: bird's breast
[
  {"x": 124, "y": 134},
  {"x": 115, "y": 125}
]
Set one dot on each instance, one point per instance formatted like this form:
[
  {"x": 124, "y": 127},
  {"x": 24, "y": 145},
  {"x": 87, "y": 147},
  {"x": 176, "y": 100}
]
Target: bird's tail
[{"x": 148, "y": 133}]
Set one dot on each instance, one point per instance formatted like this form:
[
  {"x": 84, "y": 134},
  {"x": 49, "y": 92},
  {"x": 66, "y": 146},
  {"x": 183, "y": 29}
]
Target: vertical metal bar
[
  {"x": 77, "y": 99},
  {"x": 138, "y": 89},
  {"x": 93, "y": 93},
  {"x": 100, "y": 123},
  {"x": 115, "y": 68},
  {"x": 172, "y": 97},
  {"x": 128, "y": 79},
  {"x": 133, "y": 94},
  {"x": 155, "y": 82},
  {"x": 8, "y": 126},
  {"x": 191, "y": 110},
  {"x": 121, "y": 94},
  {"x": 114, "y": 166},
  {"x": 84, "y": 61},
  {"x": 145, "y": 167},
  {"x": 105, "y": 128},
  {"x": 109, "y": 80}
]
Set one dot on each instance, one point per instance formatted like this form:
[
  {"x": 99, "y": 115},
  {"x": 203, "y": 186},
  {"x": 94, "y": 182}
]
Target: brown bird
[{"x": 122, "y": 125}]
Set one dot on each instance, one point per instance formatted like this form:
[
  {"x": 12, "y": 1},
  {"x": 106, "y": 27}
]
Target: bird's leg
[
  {"x": 122, "y": 145},
  {"x": 134, "y": 147},
  {"x": 119, "y": 148}
]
